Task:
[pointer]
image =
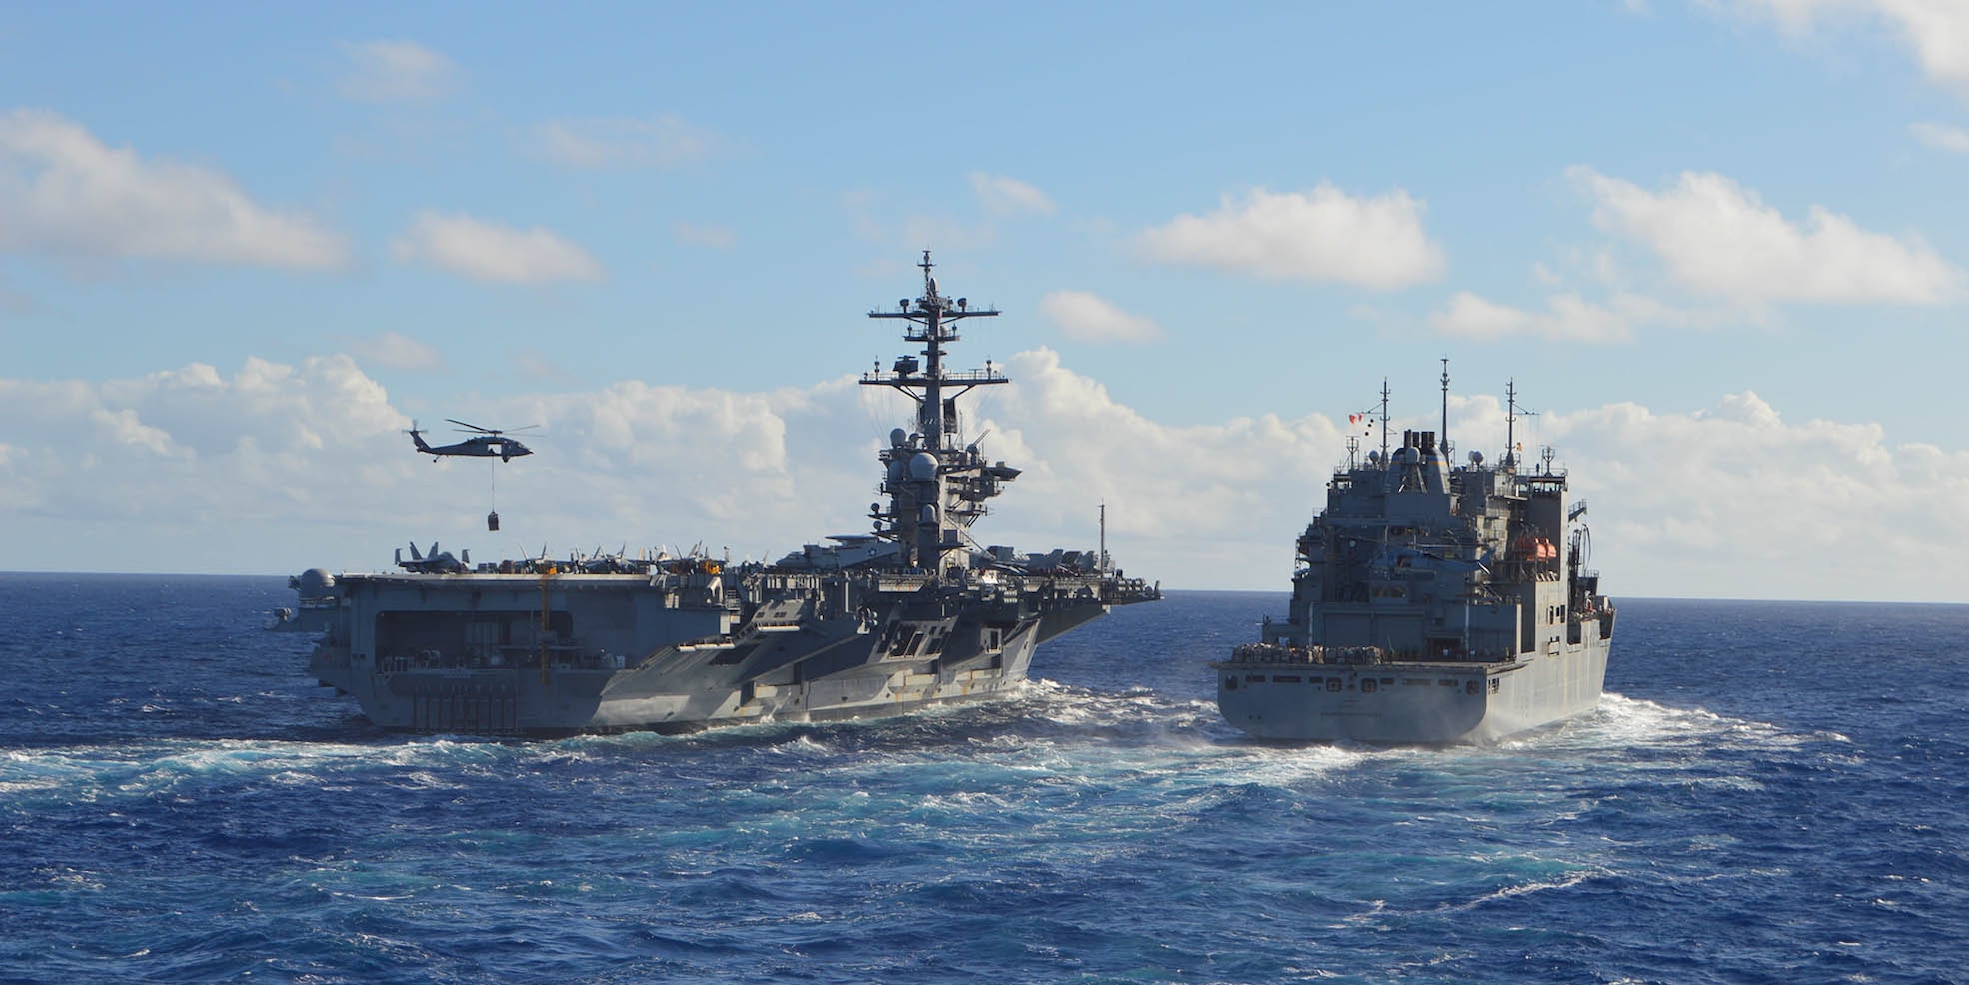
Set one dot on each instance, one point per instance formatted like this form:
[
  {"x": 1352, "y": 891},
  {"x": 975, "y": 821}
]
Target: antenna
[
  {"x": 1445, "y": 437},
  {"x": 1104, "y": 535},
  {"x": 1510, "y": 422},
  {"x": 1384, "y": 420}
]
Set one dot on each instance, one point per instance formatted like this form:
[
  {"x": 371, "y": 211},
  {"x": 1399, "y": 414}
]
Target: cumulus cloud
[
  {"x": 1735, "y": 501},
  {"x": 276, "y": 468},
  {"x": 1328, "y": 235},
  {"x": 1008, "y": 196},
  {"x": 1941, "y": 136},
  {"x": 64, "y": 193},
  {"x": 600, "y": 143},
  {"x": 1568, "y": 318},
  {"x": 1719, "y": 238},
  {"x": 1937, "y": 30},
  {"x": 492, "y": 252},
  {"x": 1092, "y": 318},
  {"x": 397, "y": 72}
]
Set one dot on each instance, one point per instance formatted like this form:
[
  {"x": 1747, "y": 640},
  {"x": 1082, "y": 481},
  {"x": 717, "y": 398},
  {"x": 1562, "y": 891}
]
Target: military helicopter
[{"x": 485, "y": 443}]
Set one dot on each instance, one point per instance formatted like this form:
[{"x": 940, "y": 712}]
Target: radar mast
[{"x": 937, "y": 485}]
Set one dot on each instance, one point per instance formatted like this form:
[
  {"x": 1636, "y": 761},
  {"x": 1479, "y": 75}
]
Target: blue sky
[{"x": 1719, "y": 245}]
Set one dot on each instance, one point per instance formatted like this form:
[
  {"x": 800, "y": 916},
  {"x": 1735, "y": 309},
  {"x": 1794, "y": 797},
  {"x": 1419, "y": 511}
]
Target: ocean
[{"x": 1769, "y": 792}]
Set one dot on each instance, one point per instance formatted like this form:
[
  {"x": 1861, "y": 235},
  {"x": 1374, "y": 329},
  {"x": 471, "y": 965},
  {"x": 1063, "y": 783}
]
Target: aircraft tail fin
[
  {"x": 465, "y": 557},
  {"x": 414, "y": 555},
  {"x": 418, "y": 436}
]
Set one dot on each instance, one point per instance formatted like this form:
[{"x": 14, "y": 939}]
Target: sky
[{"x": 1718, "y": 247}]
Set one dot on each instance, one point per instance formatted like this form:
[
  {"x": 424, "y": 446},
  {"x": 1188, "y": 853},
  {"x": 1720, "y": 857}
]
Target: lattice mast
[{"x": 937, "y": 485}]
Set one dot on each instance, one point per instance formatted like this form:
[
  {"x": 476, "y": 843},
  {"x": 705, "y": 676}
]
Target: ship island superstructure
[
  {"x": 915, "y": 612},
  {"x": 1431, "y": 603}
]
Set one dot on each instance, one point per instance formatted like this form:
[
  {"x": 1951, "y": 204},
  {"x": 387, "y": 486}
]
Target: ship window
[
  {"x": 1367, "y": 685},
  {"x": 1254, "y": 678},
  {"x": 1415, "y": 682},
  {"x": 1230, "y": 683},
  {"x": 1387, "y": 682},
  {"x": 1446, "y": 682},
  {"x": 1333, "y": 683},
  {"x": 1285, "y": 678},
  {"x": 1493, "y": 685}
]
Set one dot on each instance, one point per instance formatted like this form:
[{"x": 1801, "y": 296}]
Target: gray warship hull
[
  {"x": 489, "y": 653},
  {"x": 1411, "y": 702}
]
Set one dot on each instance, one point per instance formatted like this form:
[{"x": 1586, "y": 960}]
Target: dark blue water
[{"x": 1770, "y": 792}]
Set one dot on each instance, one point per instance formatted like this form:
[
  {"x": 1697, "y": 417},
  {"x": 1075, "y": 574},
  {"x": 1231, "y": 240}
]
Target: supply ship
[
  {"x": 1431, "y": 603},
  {"x": 916, "y": 612}
]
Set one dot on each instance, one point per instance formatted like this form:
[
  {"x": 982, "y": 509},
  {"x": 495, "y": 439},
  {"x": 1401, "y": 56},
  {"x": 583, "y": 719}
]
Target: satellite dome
[
  {"x": 1476, "y": 458},
  {"x": 897, "y": 470},
  {"x": 923, "y": 467},
  {"x": 897, "y": 437}
]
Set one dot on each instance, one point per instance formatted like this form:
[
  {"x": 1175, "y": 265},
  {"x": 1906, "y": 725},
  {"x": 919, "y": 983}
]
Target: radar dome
[
  {"x": 898, "y": 437},
  {"x": 1476, "y": 458},
  {"x": 923, "y": 466},
  {"x": 315, "y": 582},
  {"x": 897, "y": 470}
]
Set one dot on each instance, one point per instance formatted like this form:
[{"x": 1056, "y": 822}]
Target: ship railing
[
  {"x": 963, "y": 376},
  {"x": 1290, "y": 653}
]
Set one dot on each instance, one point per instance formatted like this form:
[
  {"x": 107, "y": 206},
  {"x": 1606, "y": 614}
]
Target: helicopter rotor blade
[{"x": 471, "y": 427}]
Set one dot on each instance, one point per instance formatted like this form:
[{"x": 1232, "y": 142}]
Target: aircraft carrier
[
  {"x": 916, "y": 612},
  {"x": 1432, "y": 603}
]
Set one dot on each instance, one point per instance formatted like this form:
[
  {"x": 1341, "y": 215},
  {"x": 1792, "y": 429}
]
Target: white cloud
[
  {"x": 396, "y": 350},
  {"x": 1001, "y": 195},
  {"x": 1569, "y": 318},
  {"x": 489, "y": 251},
  {"x": 398, "y": 72},
  {"x": 1937, "y": 30},
  {"x": 1719, "y": 238},
  {"x": 598, "y": 143},
  {"x": 1092, "y": 318},
  {"x": 64, "y": 193},
  {"x": 716, "y": 237},
  {"x": 278, "y": 468},
  {"x": 1735, "y": 501},
  {"x": 1327, "y": 235},
  {"x": 1941, "y": 136}
]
